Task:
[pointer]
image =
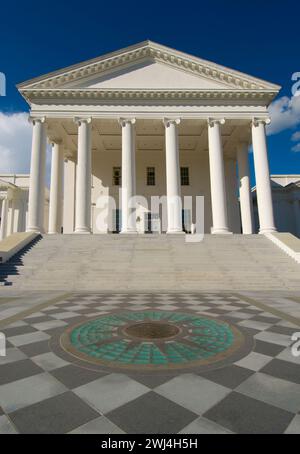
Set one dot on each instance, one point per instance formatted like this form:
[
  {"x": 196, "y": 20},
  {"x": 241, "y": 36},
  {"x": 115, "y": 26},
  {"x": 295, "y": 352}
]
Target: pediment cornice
[
  {"x": 232, "y": 80},
  {"x": 131, "y": 95}
]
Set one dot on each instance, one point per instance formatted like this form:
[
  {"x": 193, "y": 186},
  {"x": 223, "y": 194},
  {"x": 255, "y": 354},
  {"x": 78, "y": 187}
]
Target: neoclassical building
[
  {"x": 14, "y": 192},
  {"x": 154, "y": 122}
]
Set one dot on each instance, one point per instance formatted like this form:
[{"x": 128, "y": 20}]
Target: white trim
[{"x": 295, "y": 255}]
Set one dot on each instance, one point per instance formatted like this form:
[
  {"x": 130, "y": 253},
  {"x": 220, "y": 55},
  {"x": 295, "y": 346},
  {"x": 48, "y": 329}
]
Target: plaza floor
[{"x": 48, "y": 385}]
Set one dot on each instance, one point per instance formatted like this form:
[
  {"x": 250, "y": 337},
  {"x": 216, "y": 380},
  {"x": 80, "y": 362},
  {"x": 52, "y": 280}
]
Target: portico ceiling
[{"x": 150, "y": 135}]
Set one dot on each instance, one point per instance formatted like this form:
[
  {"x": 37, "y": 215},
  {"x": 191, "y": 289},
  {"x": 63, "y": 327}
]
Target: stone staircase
[{"x": 150, "y": 263}]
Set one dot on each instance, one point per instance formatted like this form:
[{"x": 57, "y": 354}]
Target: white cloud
[
  {"x": 15, "y": 143},
  {"x": 296, "y": 136},
  {"x": 296, "y": 148},
  {"x": 284, "y": 113}
]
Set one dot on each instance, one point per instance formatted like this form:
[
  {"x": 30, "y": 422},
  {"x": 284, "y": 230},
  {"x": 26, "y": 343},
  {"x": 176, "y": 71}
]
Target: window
[
  {"x": 117, "y": 177},
  {"x": 185, "y": 176},
  {"x": 117, "y": 220},
  {"x": 150, "y": 176}
]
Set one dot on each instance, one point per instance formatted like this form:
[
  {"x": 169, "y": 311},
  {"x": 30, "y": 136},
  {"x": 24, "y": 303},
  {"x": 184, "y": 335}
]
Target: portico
[{"x": 153, "y": 122}]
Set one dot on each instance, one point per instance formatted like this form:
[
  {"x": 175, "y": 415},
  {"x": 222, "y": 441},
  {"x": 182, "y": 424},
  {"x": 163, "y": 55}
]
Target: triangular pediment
[
  {"x": 147, "y": 69},
  {"x": 148, "y": 75}
]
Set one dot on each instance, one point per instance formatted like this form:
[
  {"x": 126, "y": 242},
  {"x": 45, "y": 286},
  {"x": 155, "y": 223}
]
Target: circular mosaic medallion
[{"x": 154, "y": 340}]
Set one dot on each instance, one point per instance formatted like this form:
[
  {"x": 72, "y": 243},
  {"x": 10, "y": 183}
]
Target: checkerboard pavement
[{"x": 41, "y": 392}]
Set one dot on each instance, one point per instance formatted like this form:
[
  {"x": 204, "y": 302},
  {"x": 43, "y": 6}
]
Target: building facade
[
  {"x": 14, "y": 194},
  {"x": 153, "y": 122},
  {"x": 286, "y": 201}
]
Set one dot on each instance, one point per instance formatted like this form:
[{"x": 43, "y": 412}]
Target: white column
[
  {"x": 11, "y": 212},
  {"x": 4, "y": 213},
  {"x": 37, "y": 177},
  {"x": 69, "y": 196},
  {"x": 18, "y": 213},
  {"x": 233, "y": 209},
  {"x": 262, "y": 174},
  {"x": 174, "y": 203},
  {"x": 217, "y": 178},
  {"x": 296, "y": 205},
  {"x": 246, "y": 202},
  {"x": 83, "y": 177},
  {"x": 128, "y": 176},
  {"x": 56, "y": 189}
]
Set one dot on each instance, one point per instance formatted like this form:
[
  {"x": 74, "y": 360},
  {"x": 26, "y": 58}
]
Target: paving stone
[
  {"x": 50, "y": 415},
  {"x": 244, "y": 415}
]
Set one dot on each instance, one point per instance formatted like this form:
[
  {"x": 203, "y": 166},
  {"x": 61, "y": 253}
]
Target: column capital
[
  {"x": 54, "y": 141},
  {"x": 168, "y": 121},
  {"x": 80, "y": 120},
  {"x": 213, "y": 121},
  {"x": 124, "y": 121},
  {"x": 67, "y": 155},
  {"x": 35, "y": 119},
  {"x": 257, "y": 121}
]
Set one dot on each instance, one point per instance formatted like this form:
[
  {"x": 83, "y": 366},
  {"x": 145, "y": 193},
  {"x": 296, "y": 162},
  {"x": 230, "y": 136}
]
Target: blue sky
[{"x": 258, "y": 38}]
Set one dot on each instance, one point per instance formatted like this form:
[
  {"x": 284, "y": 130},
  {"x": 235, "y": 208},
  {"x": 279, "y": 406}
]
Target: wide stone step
[{"x": 115, "y": 262}]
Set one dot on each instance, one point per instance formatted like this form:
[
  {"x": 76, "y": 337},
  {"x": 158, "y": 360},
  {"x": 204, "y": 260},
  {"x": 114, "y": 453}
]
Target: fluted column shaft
[
  {"x": 246, "y": 203},
  {"x": 174, "y": 203},
  {"x": 128, "y": 176},
  {"x": 37, "y": 177},
  {"x": 262, "y": 175},
  {"x": 217, "y": 178},
  {"x": 83, "y": 177},
  {"x": 56, "y": 189},
  {"x": 4, "y": 213}
]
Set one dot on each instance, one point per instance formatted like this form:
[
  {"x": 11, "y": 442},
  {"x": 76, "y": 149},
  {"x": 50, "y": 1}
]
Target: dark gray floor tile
[
  {"x": 86, "y": 311},
  {"x": 218, "y": 311},
  {"x": 73, "y": 376},
  {"x": 26, "y": 329},
  {"x": 282, "y": 330},
  {"x": 17, "y": 370},
  {"x": 57, "y": 415},
  {"x": 244, "y": 415},
  {"x": 231, "y": 376},
  {"x": 36, "y": 348},
  {"x": 56, "y": 331},
  {"x": 41, "y": 319},
  {"x": 238, "y": 305},
  {"x": 266, "y": 348},
  {"x": 283, "y": 369},
  {"x": 151, "y": 413}
]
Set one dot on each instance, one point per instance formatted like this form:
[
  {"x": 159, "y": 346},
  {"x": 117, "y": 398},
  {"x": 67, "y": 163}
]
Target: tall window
[
  {"x": 117, "y": 176},
  {"x": 185, "y": 176},
  {"x": 150, "y": 176}
]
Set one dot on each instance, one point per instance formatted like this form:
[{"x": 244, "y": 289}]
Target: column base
[
  {"x": 34, "y": 230},
  {"x": 264, "y": 231},
  {"x": 82, "y": 232},
  {"x": 54, "y": 233},
  {"x": 175, "y": 232},
  {"x": 215, "y": 231},
  {"x": 128, "y": 232}
]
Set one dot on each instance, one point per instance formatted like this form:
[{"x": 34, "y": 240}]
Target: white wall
[{"x": 103, "y": 163}]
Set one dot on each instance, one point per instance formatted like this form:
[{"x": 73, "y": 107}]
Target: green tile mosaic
[{"x": 107, "y": 340}]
